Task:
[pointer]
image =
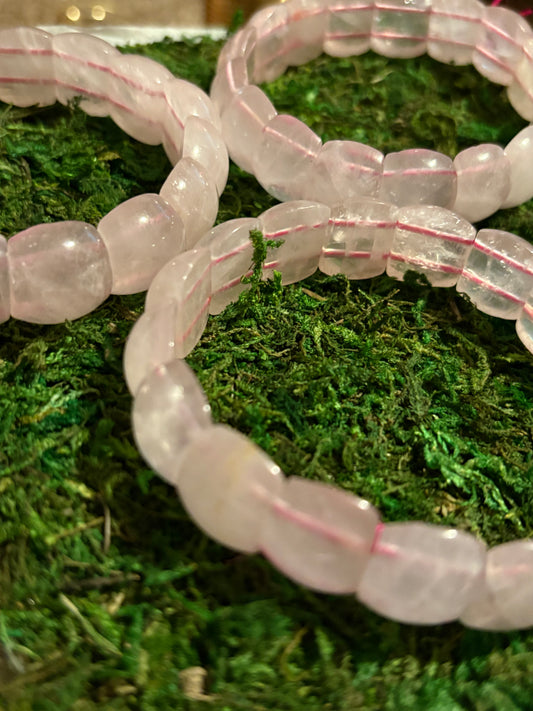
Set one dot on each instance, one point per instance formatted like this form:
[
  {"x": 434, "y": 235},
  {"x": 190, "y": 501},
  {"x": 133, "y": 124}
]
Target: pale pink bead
[
  {"x": 5, "y": 309},
  {"x": 499, "y": 48},
  {"x": 520, "y": 92},
  {"x": 418, "y": 176},
  {"x": 348, "y": 27},
  {"x": 81, "y": 67},
  {"x": 498, "y": 275},
  {"x": 231, "y": 258},
  {"x": 226, "y": 484},
  {"x": 271, "y": 23},
  {"x": 192, "y": 193},
  {"x": 400, "y": 27},
  {"x": 169, "y": 409},
  {"x": 305, "y": 34},
  {"x": 243, "y": 122},
  {"x": 483, "y": 181},
  {"x": 285, "y": 154},
  {"x": 520, "y": 153},
  {"x": 431, "y": 241},
  {"x": 241, "y": 46},
  {"x": 422, "y": 574},
  {"x": 359, "y": 238},
  {"x": 301, "y": 227},
  {"x": 27, "y": 75},
  {"x": 231, "y": 78},
  {"x": 505, "y": 601},
  {"x": 186, "y": 280},
  {"x": 141, "y": 236},
  {"x": 454, "y": 30},
  {"x": 58, "y": 272},
  {"x": 319, "y": 535},
  {"x": 524, "y": 323},
  {"x": 204, "y": 143},
  {"x": 173, "y": 129}
]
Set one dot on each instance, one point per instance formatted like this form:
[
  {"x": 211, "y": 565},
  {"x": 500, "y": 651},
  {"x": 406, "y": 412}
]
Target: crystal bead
[
  {"x": 271, "y": 23},
  {"x": 454, "y": 30},
  {"x": 305, "y": 33},
  {"x": 348, "y": 27},
  {"x": 400, "y": 27},
  {"x": 26, "y": 55},
  {"x": 228, "y": 82},
  {"x": 185, "y": 99},
  {"x": 524, "y": 323},
  {"x": 203, "y": 143},
  {"x": 520, "y": 91},
  {"x": 520, "y": 153},
  {"x": 5, "y": 307},
  {"x": 418, "y": 176},
  {"x": 241, "y": 46}
]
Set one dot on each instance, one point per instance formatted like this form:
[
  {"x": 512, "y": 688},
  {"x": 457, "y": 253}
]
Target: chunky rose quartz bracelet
[
  {"x": 289, "y": 159},
  {"x": 53, "y": 272}
]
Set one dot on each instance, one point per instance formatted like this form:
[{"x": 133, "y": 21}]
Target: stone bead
[
  {"x": 231, "y": 258},
  {"x": 169, "y": 409},
  {"x": 203, "y": 143},
  {"x": 271, "y": 23},
  {"x": 499, "y": 48},
  {"x": 186, "y": 280},
  {"x": 431, "y": 241},
  {"x": 498, "y": 274},
  {"x": 243, "y": 122},
  {"x": 400, "y": 27},
  {"x": 229, "y": 81},
  {"x": 319, "y": 535},
  {"x": 359, "y": 239},
  {"x": 26, "y": 55},
  {"x": 58, "y": 272},
  {"x": 524, "y": 323},
  {"x": 301, "y": 226},
  {"x": 5, "y": 307},
  {"x": 418, "y": 176},
  {"x": 305, "y": 34},
  {"x": 226, "y": 484},
  {"x": 520, "y": 92},
  {"x": 483, "y": 181},
  {"x": 141, "y": 235},
  {"x": 505, "y": 600},
  {"x": 422, "y": 574},
  {"x": 454, "y": 30},
  {"x": 81, "y": 68},
  {"x": 192, "y": 193},
  {"x": 287, "y": 152},
  {"x": 348, "y": 27},
  {"x": 241, "y": 46},
  {"x": 520, "y": 153}
]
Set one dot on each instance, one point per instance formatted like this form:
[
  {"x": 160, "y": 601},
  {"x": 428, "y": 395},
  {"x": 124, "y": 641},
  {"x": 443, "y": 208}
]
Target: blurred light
[
  {"x": 98, "y": 13},
  {"x": 73, "y": 13}
]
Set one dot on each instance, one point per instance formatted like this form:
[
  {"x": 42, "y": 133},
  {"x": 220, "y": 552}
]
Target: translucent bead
[
  {"x": 204, "y": 143},
  {"x": 192, "y": 193},
  {"x": 400, "y": 27},
  {"x": 498, "y": 274},
  {"x": 305, "y": 33},
  {"x": 141, "y": 235},
  {"x": 431, "y": 241},
  {"x": 231, "y": 258},
  {"x": 359, "y": 238},
  {"x": 505, "y": 601},
  {"x": 185, "y": 99},
  {"x": 301, "y": 226},
  {"x": 422, "y": 574},
  {"x": 524, "y": 323},
  {"x": 520, "y": 92},
  {"x": 271, "y": 23},
  {"x": 285, "y": 154},
  {"x": 81, "y": 68},
  {"x": 454, "y": 30},
  {"x": 483, "y": 181},
  {"x": 169, "y": 409},
  {"x": 241, "y": 46},
  {"x": 5, "y": 309},
  {"x": 520, "y": 153},
  {"x": 348, "y": 27},
  {"x": 58, "y": 272},
  {"x": 418, "y": 176},
  {"x": 229, "y": 81},
  {"x": 26, "y": 55},
  {"x": 226, "y": 484},
  {"x": 318, "y": 535}
]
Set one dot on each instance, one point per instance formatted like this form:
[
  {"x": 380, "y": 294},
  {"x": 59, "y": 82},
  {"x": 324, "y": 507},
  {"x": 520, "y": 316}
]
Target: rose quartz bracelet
[
  {"x": 289, "y": 159},
  {"x": 53, "y": 272},
  {"x": 318, "y": 535}
]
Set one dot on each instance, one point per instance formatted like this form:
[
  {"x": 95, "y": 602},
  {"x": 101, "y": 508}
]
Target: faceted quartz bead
[
  {"x": 400, "y": 27},
  {"x": 229, "y": 81},
  {"x": 26, "y": 55},
  {"x": 305, "y": 33},
  {"x": 524, "y": 323},
  {"x": 81, "y": 67},
  {"x": 348, "y": 27},
  {"x": 58, "y": 272},
  {"x": 141, "y": 236},
  {"x": 418, "y": 176},
  {"x": 169, "y": 409},
  {"x": 432, "y": 241},
  {"x": 318, "y": 535},
  {"x": 226, "y": 484},
  {"x": 498, "y": 275},
  {"x": 520, "y": 92},
  {"x": 5, "y": 310},
  {"x": 301, "y": 226},
  {"x": 454, "y": 30},
  {"x": 271, "y": 23},
  {"x": 483, "y": 181},
  {"x": 520, "y": 153},
  {"x": 203, "y": 143},
  {"x": 422, "y": 574},
  {"x": 359, "y": 238}
]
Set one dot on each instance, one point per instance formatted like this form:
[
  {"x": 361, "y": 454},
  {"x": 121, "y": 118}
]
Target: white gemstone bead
[
  {"x": 422, "y": 574},
  {"x": 271, "y": 23},
  {"x": 306, "y": 30},
  {"x": 169, "y": 409},
  {"x": 524, "y": 323},
  {"x": 230, "y": 79},
  {"x": 359, "y": 239},
  {"x": 520, "y": 92},
  {"x": 226, "y": 484},
  {"x": 348, "y": 27},
  {"x": 483, "y": 181},
  {"x": 318, "y": 535},
  {"x": 301, "y": 226},
  {"x": 498, "y": 274},
  {"x": 400, "y": 27},
  {"x": 418, "y": 176},
  {"x": 454, "y": 30},
  {"x": 520, "y": 153},
  {"x": 5, "y": 307},
  {"x": 26, "y": 54},
  {"x": 204, "y": 143}
]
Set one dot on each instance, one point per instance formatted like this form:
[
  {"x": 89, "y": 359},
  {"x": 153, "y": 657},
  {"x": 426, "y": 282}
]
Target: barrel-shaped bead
[
  {"x": 520, "y": 92},
  {"x": 399, "y": 28},
  {"x": 418, "y": 176},
  {"x": 305, "y": 33},
  {"x": 348, "y": 27},
  {"x": 27, "y": 67},
  {"x": 524, "y": 323},
  {"x": 203, "y": 143},
  {"x": 271, "y": 24},
  {"x": 454, "y": 30},
  {"x": 230, "y": 79},
  {"x": 519, "y": 151},
  {"x": 5, "y": 306}
]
